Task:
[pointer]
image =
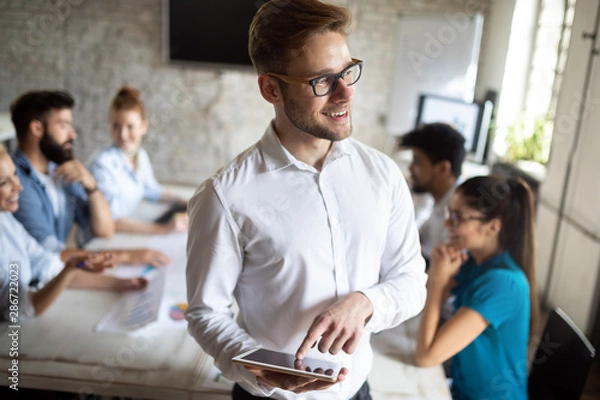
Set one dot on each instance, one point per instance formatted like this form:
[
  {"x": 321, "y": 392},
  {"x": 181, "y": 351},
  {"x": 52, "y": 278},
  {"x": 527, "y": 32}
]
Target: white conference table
[
  {"x": 61, "y": 351},
  {"x": 394, "y": 375}
]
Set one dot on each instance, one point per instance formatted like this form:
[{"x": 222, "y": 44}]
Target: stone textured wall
[{"x": 200, "y": 118}]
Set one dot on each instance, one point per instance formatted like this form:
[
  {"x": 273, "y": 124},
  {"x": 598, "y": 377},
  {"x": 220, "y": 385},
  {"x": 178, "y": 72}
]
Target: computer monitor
[{"x": 472, "y": 120}]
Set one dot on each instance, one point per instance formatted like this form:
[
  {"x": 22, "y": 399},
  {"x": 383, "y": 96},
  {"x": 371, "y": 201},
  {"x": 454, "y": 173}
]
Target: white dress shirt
[
  {"x": 433, "y": 232},
  {"x": 123, "y": 187},
  {"x": 286, "y": 241},
  {"x": 22, "y": 260}
]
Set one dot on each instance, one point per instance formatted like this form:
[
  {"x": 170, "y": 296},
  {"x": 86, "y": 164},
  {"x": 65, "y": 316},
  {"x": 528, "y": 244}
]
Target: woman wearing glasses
[{"x": 489, "y": 264}]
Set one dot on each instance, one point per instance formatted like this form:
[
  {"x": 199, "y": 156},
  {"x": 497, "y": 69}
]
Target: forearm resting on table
[
  {"x": 121, "y": 256},
  {"x": 86, "y": 280},
  {"x": 101, "y": 221},
  {"x": 137, "y": 226},
  {"x": 43, "y": 298},
  {"x": 144, "y": 256}
]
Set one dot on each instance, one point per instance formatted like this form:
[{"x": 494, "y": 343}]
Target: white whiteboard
[{"x": 436, "y": 54}]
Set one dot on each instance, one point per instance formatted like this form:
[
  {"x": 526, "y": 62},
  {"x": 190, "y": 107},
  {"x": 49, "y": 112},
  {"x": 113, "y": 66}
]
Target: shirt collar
[
  {"x": 341, "y": 148},
  {"x": 20, "y": 159},
  {"x": 276, "y": 156}
]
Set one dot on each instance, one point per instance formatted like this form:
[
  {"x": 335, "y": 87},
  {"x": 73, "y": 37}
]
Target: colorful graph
[{"x": 177, "y": 311}]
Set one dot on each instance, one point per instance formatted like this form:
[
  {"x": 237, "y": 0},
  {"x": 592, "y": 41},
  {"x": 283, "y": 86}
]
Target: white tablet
[{"x": 288, "y": 364}]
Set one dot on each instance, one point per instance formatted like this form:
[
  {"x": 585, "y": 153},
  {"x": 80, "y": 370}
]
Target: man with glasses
[
  {"x": 438, "y": 153},
  {"x": 311, "y": 232}
]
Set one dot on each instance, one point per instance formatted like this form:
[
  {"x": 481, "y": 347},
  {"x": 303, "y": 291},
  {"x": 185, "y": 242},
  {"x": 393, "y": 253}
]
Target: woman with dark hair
[{"x": 489, "y": 264}]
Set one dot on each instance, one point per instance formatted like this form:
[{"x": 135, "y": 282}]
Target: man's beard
[
  {"x": 308, "y": 124},
  {"x": 418, "y": 189},
  {"x": 53, "y": 150}
]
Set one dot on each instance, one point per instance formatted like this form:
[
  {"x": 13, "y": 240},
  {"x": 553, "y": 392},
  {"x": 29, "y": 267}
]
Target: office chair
[{"x": 562, "y": 361}]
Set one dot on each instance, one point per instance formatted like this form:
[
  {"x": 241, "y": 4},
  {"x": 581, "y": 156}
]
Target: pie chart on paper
[{"x": 177, "y": 311}]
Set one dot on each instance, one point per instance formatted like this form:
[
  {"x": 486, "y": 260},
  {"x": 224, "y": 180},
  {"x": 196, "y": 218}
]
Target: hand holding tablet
[{"x": 289, "y": 364}]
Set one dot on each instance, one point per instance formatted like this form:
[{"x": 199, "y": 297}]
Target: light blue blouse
[
  {"x": 124, "y": 188},
  {"x": 25, "y": 262}
]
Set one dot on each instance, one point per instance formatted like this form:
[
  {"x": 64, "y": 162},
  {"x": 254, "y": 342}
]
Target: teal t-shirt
[{"x": 494, "y": 365}]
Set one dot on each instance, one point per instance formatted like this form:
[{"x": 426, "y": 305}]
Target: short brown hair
[
  {"x": 281, "y": 26},
  {"x": 126, "y": 99}
]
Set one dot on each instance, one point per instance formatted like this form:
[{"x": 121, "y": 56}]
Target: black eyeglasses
[
  {"x": 457, "y": 218},
  {"x": 326, "y": 84}
]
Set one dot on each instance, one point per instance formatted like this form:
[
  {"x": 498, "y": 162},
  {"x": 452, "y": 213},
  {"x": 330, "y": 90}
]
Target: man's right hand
[
  {"x": 339, "y": 327},
  {"x": 92, "y": 262},
  {"x": 74, "y": 171},
  {"x": 293, "y": 383}
]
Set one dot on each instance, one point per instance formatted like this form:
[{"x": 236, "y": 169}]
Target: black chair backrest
[{"x": 562, "y": 361}]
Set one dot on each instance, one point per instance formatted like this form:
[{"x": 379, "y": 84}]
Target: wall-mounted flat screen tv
[{"x": 208, "y": 31}]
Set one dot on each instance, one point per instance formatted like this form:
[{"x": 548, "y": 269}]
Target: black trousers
[{"x": 239, "y": 393}]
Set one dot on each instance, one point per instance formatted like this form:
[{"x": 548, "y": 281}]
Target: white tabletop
[
  {"x": 394, "y": 375},
  {"x": 61, "y": 351}
]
